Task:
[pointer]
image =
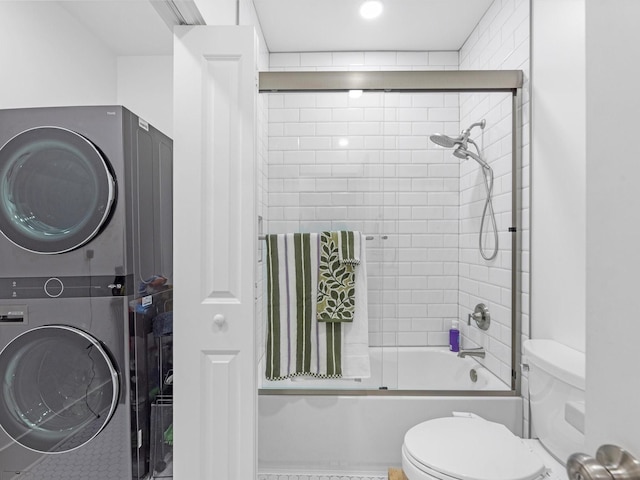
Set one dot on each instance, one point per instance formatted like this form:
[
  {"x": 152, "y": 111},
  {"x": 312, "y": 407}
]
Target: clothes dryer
[{"x": 84, "y": 192}]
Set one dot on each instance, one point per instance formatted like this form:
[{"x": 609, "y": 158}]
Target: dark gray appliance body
[
  {"x": 68, "y": 315},
  {"x": 136, "y": 235}
]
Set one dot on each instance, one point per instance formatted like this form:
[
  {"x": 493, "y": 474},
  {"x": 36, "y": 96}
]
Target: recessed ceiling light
[{"x": 371, "y": 9}]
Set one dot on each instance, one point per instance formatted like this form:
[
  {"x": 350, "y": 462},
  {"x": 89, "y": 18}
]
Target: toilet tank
[{"x": 556, "y": 393}]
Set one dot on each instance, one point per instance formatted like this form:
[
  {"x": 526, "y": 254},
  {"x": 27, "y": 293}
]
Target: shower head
[
  {"x": 461, "y": 141},
  {"x": 445, "y": 140}
]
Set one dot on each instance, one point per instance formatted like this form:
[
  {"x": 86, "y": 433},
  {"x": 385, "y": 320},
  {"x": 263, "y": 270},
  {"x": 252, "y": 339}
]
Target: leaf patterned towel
[{"x": 336, "y": 278}]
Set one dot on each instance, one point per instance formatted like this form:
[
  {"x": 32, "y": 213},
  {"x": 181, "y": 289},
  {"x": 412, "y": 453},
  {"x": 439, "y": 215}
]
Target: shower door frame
[{"x": 438, "y": 81}]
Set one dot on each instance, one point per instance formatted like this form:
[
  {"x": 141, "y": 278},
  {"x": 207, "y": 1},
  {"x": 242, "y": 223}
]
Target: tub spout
[{"x": 472, "y": 352}]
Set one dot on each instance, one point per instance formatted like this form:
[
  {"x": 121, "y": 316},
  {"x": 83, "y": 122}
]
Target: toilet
[{"x": 468, "y": 447}]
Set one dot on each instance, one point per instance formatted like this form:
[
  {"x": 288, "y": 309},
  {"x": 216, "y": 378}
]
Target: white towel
[{"x": 355, "y": 348}]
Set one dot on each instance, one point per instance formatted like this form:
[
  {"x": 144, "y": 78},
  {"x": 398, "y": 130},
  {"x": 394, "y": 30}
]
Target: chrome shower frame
[{"x": 470, "y": 81}]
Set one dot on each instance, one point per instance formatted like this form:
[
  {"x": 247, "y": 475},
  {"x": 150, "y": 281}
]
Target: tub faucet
[{"x": 472, "y": 352}]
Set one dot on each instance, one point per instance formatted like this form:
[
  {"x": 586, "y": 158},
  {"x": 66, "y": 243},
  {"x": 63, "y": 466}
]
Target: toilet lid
[{"x": 472, "y": 449}]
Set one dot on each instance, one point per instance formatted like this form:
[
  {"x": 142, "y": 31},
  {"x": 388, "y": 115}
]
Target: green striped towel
[
  {"x": 297, "y": 344},
  {"x": 349, "y": 247},
  {"x": 339, "y": 256}
]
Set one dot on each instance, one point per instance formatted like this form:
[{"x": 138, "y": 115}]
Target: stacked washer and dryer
[{"x": 86, "y": 249}]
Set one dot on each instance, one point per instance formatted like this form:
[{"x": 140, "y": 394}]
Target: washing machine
[{"x": 86, "y": 233}]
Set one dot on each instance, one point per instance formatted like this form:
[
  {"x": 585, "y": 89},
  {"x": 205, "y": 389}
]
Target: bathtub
[
  {"x": 404, "y": 368},
  {"x": 352, "y": 427}
]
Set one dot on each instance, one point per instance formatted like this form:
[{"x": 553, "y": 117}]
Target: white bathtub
[
  {"x": 304, "y": 432},
  {"x": 405, "y": 368}
]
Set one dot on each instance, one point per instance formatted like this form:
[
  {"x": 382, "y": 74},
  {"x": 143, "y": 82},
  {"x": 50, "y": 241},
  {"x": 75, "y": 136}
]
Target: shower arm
[{"x": 480, "y": 124}]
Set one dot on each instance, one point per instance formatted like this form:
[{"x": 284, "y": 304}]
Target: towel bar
[{"x": 368, "y": 237}]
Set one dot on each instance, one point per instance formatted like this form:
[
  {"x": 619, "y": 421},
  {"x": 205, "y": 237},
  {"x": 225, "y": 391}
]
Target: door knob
[
  {"x": 620, "y": 463},
  {"x": 581, "y": 466},
  {"x": 219, "y": 320},
  {"x": 611, "y": 463}
]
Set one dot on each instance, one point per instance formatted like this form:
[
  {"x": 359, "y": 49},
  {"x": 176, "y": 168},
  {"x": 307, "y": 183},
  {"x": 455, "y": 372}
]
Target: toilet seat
[{"x": 466, "y": 448}]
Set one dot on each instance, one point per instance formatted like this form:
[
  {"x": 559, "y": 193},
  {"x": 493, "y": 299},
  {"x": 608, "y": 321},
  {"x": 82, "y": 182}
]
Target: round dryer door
[
  {"x": 59, "y": 388},
  {"x": 56, "y": 190}
]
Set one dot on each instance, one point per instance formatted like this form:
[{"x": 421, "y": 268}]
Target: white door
[{"x": 215, "y": 94}]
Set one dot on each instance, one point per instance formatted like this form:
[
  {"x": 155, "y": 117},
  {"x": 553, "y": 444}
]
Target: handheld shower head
[
  {"x": 464, "y": 154},
  {"x": 461, "y": 153}
]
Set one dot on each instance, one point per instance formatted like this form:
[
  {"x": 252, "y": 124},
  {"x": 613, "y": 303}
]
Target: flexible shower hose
[{"x": 488, "y": 205}]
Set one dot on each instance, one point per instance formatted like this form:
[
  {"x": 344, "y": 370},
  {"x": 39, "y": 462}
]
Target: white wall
[
  {"x": 218, "y": 12},
  {"x": 558, "y": 171},
  {"x": 49, "y": 59},
  {"x": 499, "y": 42},
  {"x": 613, "y": 225},
  {"x": 145, "y": 86}
]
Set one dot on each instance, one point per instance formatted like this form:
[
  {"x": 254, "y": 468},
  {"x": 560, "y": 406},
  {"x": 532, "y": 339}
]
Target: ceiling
[
  {"x": 133, "y": 27},
  {"x": 335, "y": 25},
  {"x": 127, "y": 27}
]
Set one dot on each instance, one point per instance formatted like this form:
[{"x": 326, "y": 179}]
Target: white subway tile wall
[
  {"x": 341, "y": 61},
  {"x": 262, "y": 189},
  {"x": 335, "y": 163},
  {"x": 499, "y": 42}
]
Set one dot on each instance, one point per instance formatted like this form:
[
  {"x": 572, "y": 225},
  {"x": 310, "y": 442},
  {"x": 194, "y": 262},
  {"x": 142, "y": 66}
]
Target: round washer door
[
  {"x": 60, "y": 388},
  {"x": 56, "y": 190}
]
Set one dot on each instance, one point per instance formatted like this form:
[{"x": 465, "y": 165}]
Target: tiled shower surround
[
  {"x": 499, "y": 42},
  {"x": 365, "y": 164},
  {"x": 337, "y": 162}
]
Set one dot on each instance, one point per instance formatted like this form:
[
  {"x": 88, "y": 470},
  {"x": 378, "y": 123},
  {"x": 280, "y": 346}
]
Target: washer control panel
[
  {"x": 53, "y": 287},
  {"x": 65, "y": 287}
]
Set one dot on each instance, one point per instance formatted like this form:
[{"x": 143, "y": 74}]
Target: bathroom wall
[
  {"x": 558, "y": 176},
  {"x": 499, "y": 42},
  {"x": 262, "y": 211},
  {"x": 248, "y": 16},
  {"x": 365, "y": 163},
  {"x": 145, "y": 84},
  {"x": 49, "y": 59}
]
